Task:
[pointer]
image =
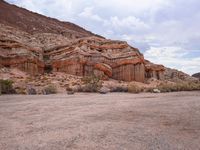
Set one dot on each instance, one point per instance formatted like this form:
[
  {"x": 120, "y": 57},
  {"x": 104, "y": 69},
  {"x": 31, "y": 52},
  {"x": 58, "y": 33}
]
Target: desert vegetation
[
  {"x": 91, "y": 84},
  {"x": 6, "y": 87},
  {"x": 180, "y": 86},
  {"x": 50, "y": 89},
  {"x": 52, "y": 84},
  {"x": 134, "y": 88}
]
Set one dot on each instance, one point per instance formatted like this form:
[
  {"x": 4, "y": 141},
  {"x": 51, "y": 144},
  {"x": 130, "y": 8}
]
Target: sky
[{"x": 166, "y": 31}]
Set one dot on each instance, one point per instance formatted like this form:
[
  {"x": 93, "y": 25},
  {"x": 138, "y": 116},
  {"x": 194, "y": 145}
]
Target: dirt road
[{"x": 116, "y": 121}]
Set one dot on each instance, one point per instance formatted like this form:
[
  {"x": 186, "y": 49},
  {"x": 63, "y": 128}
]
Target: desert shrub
[
  {"x": 150, "y": 89},
  {"x": 91, "y": 84},
  {"x": 6, "y": 87},
  {"x": 180, "y": 86},
  {"x": 194, "y": 86},
  {"x": 50, "y": 89},
  {"x": 70, "y": 90},
  {"x": 119, "y": 89},
  {"x": 31, "y": 91},
  {"x": 20, "y": 90},
  {"x": 133, "y": 88},
  {"x": 165, "y": 87}
]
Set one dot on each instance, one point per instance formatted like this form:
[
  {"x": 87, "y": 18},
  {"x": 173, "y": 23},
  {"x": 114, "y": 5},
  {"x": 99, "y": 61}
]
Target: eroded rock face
[
  {"x": 36, "y": 44},
  {"x": 154, "y": 70},
  {"x": 39, "y": 53},
  {"x": 196, "y": 75},
  {"x": 175, "y": 75},
  {"x": 106, "y": 58},
  {"x": 14, "y": 54}
]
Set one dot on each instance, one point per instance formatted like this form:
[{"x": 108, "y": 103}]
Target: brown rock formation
[
  {"x": 35, "y": 44},
  {"x": 154, "y": 70},
  {"x": 14, "y": 54},
  {"x": 114, "y": 59},
  {"x": 196, "y": 75},
  {"x": 175, "y": 75}
]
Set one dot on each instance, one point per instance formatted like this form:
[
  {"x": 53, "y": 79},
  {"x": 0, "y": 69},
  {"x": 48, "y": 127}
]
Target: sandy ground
[{"x": 116, "y": 121}]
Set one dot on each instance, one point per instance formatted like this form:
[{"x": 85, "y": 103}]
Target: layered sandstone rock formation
[
  {"x": 102, "y": 57},
  {"x": 36, "y": 44},
  {"x": 154, "y": 70},
  {"x": 14, "y": 54}
]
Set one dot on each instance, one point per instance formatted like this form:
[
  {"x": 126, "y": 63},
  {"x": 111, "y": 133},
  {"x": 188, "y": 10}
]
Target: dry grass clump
[
  {"x": 134, "y": 88},
  {"x": 91, "y": 84},
  {"x": 180, "y": 86},
  {"x": 70, "y": 90},
  {"x": 20, "y": 90},
  {"x": 50, "y": 89}
]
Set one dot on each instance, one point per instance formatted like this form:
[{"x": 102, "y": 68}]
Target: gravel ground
[{"x": 115, "y": 121}]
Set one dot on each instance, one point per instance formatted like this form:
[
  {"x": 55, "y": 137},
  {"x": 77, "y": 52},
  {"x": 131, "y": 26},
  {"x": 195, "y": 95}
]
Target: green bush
[
  {"x": 91, "y": 84},
  {"x": 50, "y": 89},
  {"x": 6, "y": 87}
]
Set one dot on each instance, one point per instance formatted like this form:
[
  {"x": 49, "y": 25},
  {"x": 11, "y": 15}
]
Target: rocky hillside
[
  {"x": 196, "y": 75},
  {"x": 177, "y": 76},
  {"x": 37, "y": 44},
  {"x": 31, "y": 22}
]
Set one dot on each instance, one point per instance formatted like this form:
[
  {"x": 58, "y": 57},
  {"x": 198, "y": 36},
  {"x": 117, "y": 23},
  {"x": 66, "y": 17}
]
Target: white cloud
[
  {"x": 131, "y": 6},
  {"x": 62, "y": 9},
  {"x": 130, "y": 23},
  {"x": 88, "y": 14},
  {"x": 174, "y": 57}
]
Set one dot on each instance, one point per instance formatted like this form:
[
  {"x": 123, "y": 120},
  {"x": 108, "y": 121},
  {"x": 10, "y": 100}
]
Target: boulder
[
  {"x": 104, "y": 90},
  {"x": 156, "y": 91}
]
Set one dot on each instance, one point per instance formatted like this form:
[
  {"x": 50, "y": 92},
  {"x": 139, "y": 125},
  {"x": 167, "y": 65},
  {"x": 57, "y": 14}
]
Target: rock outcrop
[
  {"x": 102, "y": 57},
  {"x": 196, "y": 75},
  {"x": 37, "y": 44},
  {"x": 14, "y": 54},
  {"x": 176, "y": 76},
  {"x": 154, "y": 70}
]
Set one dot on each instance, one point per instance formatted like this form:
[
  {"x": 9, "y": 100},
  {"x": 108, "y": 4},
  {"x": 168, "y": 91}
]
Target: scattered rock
[
  {"x": 70, "y": 92},
  {"x": 31, "y": 91},
  {"x": 156, "y": 91},
  {"x": 104, "y": 90},
  {"x": 50, "y": 89}
]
